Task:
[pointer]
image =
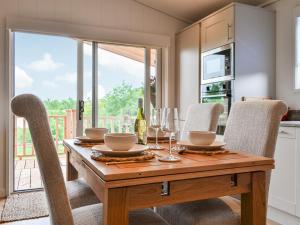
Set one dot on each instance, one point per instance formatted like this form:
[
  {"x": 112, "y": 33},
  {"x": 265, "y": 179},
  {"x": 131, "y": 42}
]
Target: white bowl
[
  {"x": 95, "y": 133},
  {"x": 201, "y": 137},
  {"x": 120, "y": 141}
]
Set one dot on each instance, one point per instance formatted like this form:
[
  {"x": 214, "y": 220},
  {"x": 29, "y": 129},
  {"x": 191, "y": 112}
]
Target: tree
[{"x": 121, "y": 99}]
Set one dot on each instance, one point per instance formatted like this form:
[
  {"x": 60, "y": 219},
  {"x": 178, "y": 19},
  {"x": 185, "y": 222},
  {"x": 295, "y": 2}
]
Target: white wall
[
  {"x": 114, "y": 14},
  {"x": 284, "y": 52}
]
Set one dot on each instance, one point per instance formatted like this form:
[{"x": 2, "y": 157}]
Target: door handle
[{"x": 80, "y": 109}]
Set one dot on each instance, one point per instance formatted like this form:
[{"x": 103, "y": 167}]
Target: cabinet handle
[
  {"x": 283, "y": 132},
  {"x": 228, "y": 31}
]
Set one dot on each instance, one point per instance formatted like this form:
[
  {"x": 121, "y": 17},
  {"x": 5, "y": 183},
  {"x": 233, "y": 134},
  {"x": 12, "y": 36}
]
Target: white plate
[
  {"x": 88, "y": 140},
  {"x": 214, "y": 146},
  {"x": 136, "y": 150}
]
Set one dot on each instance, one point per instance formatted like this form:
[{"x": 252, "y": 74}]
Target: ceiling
[{"x": 192, "y": 10}]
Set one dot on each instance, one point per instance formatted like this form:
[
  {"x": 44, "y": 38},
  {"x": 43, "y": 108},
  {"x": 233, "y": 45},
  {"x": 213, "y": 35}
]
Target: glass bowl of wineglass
[
  {"x": 155, "y": 123},
  {"x": 170, "y": 125}
]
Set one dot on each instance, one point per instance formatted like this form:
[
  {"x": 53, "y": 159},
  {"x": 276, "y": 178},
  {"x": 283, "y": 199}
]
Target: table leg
[
  {"x": 253, "y": 204},
  {"x": 72, "y": 173},
  {"x": 115, "y": 210}
]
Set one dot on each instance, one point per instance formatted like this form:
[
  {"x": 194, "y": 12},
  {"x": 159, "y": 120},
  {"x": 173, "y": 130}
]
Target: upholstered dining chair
[
  {"x": 252, "y": 127},
  {"x": 32, "y": 109},
  {"x": 202, "y": 117}
]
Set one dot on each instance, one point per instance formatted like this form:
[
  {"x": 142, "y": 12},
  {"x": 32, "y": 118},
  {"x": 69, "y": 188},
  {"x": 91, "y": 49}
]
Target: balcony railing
[{"x": 64, "y": 127}]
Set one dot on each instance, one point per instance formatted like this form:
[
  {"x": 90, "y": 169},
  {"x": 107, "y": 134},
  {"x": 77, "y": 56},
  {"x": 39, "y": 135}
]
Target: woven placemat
[
  {"x": 139, "y": 158},
  {"x": 205, "y": 152},
  {"x": 87, "y": 144}
]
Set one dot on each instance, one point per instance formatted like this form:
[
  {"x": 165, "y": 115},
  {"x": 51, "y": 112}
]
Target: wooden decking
[{"x": 27, "y": 174}]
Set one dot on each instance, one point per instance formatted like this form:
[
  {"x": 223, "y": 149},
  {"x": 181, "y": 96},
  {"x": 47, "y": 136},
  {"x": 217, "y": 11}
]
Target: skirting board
[{"x": 282, "y": 217}]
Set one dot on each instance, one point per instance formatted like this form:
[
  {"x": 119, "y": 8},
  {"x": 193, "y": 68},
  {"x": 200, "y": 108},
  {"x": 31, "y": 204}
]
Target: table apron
[
  {"x": 183, "y": 190},
  {"x": 142, "y": 196}
]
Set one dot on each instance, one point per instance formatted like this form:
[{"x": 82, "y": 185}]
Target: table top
[{"x": 189, "y": 164}]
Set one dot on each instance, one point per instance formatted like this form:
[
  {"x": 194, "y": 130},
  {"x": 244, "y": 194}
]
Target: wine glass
[
  {"x": 155, "y": 123},
  {"x": 170, "y": 125},
  {"x": 127, "y": 121}
]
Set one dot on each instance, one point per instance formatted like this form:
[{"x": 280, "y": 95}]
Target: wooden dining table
[{"x": 130, "y": 186}]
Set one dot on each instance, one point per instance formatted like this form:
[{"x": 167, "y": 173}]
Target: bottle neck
[{"x": 140, "y": 113}]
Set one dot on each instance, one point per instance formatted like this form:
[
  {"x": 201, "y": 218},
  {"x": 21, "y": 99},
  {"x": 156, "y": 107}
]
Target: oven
[
  {"x": 219, "y": 92},
  {"x": 217, "y": 64}
]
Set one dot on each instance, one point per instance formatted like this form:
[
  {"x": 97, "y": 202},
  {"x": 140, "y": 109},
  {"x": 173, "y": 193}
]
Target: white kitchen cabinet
[
  {"x": 252, "y": 30},
  {"x": 218, "y": 29},
  {"x": 283, "y": 180},
  {"x": 284, "y": 195},
  {"x": 188, "y": 68}
]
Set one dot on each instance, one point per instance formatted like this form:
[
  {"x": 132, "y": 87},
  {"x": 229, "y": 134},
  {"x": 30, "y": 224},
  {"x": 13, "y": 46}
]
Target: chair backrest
[
  {"x": 32, "y": 109},
  {"x": 253, "y": 126},
  {"x": 202, "y": 117}
]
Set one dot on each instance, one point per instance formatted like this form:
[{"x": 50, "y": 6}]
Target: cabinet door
[
  {"x": 188, "y": 68},
  {"x": 217, "y": 30},
  {"x": 283, "y": 180}
]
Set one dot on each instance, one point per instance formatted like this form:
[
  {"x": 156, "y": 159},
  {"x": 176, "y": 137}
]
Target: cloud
[
  {"x": 68, "y": 77},
  {"x": 44, "y": 64},
  {"x": 101, "y": 92},
  {"x": 23, "y": 80},
  {"x": 48, "y": 83}
]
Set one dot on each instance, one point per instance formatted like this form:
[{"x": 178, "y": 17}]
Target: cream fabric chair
[
  {"x": 253, "y": 127},
  {"x": 33, "y": 110},
  {"x": 202, "y": 117}
]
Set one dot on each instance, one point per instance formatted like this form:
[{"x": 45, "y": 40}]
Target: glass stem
[
  {"x": 156, "y": 136},
  {"x": 170, "y": 145}
]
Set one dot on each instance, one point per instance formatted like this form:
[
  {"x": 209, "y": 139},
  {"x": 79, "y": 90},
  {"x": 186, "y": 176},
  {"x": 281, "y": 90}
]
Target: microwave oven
[{"x": 218, "y": 64}]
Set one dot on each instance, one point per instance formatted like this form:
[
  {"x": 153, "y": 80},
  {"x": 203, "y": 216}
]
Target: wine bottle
[{"x": 140, "y": 126}]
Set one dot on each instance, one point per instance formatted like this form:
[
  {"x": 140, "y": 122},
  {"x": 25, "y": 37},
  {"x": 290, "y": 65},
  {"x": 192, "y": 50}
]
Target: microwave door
[{"x": 214, "y": 66}]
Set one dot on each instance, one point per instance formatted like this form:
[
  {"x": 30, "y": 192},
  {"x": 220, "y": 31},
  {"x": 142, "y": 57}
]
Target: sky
[{"x": 47, "y": 67}]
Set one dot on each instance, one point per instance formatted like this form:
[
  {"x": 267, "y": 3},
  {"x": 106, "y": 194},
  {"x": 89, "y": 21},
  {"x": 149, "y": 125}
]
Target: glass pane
[
  {"x": 297, "y": 60},
  {"x": 45, "y": 66},
  {"x": 87, "y": 84},
  {"x": 120, "y": 83},
  {"x": 153, "y": 78}
]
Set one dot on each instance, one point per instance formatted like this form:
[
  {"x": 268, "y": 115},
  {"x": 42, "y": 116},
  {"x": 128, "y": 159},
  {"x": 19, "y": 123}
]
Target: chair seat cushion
[
  {"x": 205, "y": 212},
  {"x": 92, "y": 215},
  {"x": 80, "y": 194}
]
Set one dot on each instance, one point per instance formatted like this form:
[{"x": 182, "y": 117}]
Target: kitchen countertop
[{"x": 290, "y": 123}]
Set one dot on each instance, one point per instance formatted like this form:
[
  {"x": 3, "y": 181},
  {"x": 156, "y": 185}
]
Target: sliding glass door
[
  {"x": 82, "y": 84},
  {"x": 45, "y": 66},
  {"x": 121, "y": 81}
]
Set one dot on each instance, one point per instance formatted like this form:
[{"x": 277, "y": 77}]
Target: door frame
[{"x": 9, "y": 69}]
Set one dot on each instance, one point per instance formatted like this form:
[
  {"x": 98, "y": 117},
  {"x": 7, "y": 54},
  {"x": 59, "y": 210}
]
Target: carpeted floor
[{"x": 24, "y": 206}]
